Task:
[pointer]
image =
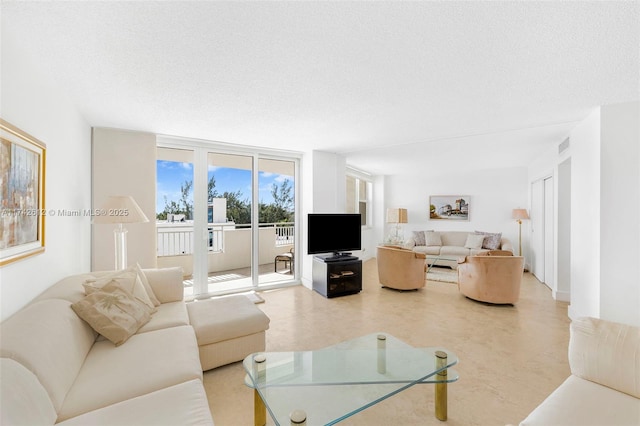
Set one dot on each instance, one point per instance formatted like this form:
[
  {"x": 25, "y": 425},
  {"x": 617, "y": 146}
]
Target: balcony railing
[{"x": 177, "y": 239}]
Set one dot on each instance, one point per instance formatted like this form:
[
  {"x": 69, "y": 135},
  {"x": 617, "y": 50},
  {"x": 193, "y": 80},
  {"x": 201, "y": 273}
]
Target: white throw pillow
[
  {"x": 432, "y": 238},
  {"x": 474, "y": 241}
]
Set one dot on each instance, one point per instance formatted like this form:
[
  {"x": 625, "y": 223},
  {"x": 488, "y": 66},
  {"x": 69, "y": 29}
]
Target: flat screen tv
[{"x": 335, "y": 233}]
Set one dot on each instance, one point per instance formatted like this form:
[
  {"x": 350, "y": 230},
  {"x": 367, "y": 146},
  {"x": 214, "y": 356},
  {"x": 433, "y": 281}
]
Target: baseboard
[{"x": 562, "y": 296}]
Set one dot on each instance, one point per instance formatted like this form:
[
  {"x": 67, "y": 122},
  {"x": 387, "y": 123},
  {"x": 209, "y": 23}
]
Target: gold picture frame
[{"x": 22, "y": 184}]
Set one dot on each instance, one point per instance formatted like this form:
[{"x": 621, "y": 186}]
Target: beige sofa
[
  {"x": 604, "y": 385},
  {"x": 56, "y": 369},
  {"x": 451, "y": 245}
]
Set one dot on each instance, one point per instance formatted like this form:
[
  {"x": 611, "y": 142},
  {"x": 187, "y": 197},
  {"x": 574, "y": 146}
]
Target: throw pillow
[
  {"x": 474, "y": 241},
  {"x": 432, "y": 239},
  {"x": 128, "y": 279},
  {"x": 418, "y": 238},
  {"x": 113, "y": 312},
  {"x": 147, "y": 286},
  {"x": 491, "y": 240}
]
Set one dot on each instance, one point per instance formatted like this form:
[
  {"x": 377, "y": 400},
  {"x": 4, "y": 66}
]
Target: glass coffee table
[
  {"x": 432, "y": 260},
  {"x": 325, "y": 386}
]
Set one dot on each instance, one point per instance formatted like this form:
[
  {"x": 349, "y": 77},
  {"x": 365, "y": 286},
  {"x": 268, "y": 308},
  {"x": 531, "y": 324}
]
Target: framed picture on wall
[
  {"x": 22, "y": 213},
  {"x": 449, "y": 207}
]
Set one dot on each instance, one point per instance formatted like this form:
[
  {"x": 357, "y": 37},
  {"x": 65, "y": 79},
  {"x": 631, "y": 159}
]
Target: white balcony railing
[{"x": 177, "y": 239}]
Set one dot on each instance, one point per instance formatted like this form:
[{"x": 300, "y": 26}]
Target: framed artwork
[
  {"x": 22, "y": 212},
  {"x": 449, "y": 207}
]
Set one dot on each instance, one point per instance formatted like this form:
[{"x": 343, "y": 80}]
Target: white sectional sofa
[
  {"x": 451, "y": 245},
  {"x": 604, "y": 386},
  {"x": 56, "y": 369}
]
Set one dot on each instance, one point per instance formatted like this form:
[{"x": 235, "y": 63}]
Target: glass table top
[{"x": 333, "y": 383}]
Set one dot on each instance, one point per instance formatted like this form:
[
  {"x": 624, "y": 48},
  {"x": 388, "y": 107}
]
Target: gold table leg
[
  {"x": 259, "y": 410},
  {"x": 441, "y": 388}
]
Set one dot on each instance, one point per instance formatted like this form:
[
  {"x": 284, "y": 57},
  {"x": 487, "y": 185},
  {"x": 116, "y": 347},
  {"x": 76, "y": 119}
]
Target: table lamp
[
  {"x": 519, "y": 215},
  {"x": 397, "y": 217},
  {"x": 120, "y": 209}
]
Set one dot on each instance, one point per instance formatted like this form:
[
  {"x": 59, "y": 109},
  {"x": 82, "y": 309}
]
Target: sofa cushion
[
  {"x": 23, "y": 399},
  {"x": 129, "y": 279},
  {"x": 429, "y": 251},
  {"x": 568, "y": 406},
  {"x": 166, "y": 283},
  {"x": 607, "y": 353},
  {"x": 69, "y": 288},
  {"x": 51, "y": 341},
  {"x": 146, "y": 363},
  {"x": 113, "y": 312},
  {"x": 172, "y": 314},
  {"x": 183, "y": 404},
  {"x": 432, "y": 239},
  {"x": 454, "y": 251}
]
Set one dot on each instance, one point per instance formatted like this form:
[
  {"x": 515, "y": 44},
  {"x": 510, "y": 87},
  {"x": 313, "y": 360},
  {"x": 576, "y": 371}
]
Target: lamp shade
[
  {"x": 520, "y": 214},
  {"x": 396, "y": 215},
  {"x": 120, "y": 209}
]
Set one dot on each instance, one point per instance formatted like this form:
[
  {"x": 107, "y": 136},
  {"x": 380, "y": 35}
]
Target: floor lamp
[
  {"x": 396, "y": 216},
  {"x": 119, "y": 210},
  {"x": 519, "y": 215}
]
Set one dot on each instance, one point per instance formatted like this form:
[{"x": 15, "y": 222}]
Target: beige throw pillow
[
  {"x": 113, "y": 312},
  {"x": 128, "y": 279},
  {"x": 432, "y": 238},
  {"x": 147, "y": 286},
  {"x": 474, "y": 241}
]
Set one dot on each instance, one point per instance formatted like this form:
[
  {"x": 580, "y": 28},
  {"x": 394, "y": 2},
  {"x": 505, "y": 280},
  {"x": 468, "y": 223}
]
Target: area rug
[{"x": 445, "y": 275}]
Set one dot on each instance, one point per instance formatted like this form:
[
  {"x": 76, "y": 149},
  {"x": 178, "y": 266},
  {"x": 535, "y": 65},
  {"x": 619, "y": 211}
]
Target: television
[{"x": 335, "y": 234}]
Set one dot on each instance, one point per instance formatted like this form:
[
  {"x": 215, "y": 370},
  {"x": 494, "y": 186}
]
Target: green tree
[
  {"x": 238, "y": 208},
  {"x": 185, "y": 199}
]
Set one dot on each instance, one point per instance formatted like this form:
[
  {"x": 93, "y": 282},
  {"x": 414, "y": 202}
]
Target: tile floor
[{"x": 511, "y": 357}]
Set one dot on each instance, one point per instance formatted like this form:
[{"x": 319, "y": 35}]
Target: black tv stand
[{"x": 337, "y": 277}]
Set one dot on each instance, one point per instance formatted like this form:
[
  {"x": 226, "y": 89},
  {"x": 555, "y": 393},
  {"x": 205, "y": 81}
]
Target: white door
[
  {"x": 537, "y": 229},
  {"x": 548, "y": 234}
]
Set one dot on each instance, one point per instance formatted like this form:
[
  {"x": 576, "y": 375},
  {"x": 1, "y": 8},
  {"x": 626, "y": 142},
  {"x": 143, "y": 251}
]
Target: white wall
[
  {"x": 324, "y": 184},
  {"x": 585, "y": 217},
  {"x": 620, "y": 213},
  {"x": 493, "y": 195},
  {"x": 31, "y": 102},
  {"x": 605, "y": 199}
]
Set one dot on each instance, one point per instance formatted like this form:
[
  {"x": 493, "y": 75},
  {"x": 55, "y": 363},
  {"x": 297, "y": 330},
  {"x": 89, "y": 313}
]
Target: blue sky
[{"x": 172, "y": 174}]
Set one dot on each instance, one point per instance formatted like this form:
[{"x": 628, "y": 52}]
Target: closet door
[
  {"x": 542, "y": 246},
  {"x": 537, "y": 230},
  {"x": 549, "y": 251}
]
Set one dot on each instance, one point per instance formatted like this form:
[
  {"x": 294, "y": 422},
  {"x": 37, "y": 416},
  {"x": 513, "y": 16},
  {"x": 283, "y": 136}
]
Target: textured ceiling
[{"x": 383, "y": 83}]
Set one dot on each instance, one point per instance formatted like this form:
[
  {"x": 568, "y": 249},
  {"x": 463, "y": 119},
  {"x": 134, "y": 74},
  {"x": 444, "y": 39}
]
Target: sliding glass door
[
  {"x": 276, "y": 218},
  {"x": 238, "y": 211}
]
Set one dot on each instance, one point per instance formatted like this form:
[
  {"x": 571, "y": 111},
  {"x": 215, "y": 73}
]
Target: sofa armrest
[
  {"x": 606, "y": 353},
  {"x": 505, "y": 244},
  {"x": 166, "y": 283}
]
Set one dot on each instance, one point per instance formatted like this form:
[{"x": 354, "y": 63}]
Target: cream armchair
[
  {"x": 491, "y": 278},
  {"x": 400, "y": 268}
]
